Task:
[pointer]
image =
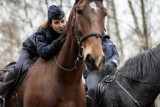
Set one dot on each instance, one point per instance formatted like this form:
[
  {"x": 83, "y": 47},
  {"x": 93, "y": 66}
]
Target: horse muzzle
[{"x": 94, "y": 63}]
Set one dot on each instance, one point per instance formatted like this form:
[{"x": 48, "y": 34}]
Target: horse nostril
[
  {"x": 102, "y": 61},
  {"x": 89, "y": 60},
  {"x": 91, "y": 63}
]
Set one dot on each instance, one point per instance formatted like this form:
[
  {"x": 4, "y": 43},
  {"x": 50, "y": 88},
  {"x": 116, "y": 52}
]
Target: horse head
[{"x": 88, "y": 25}]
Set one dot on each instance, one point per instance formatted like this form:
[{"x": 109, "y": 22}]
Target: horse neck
[
  {"x": 68, "y": 55},
  {"x": 137, "y": 88},
  {"x": 149, "y": 91}
]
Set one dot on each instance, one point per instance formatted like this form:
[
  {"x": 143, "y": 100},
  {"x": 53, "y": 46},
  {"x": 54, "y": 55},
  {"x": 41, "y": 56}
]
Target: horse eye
[
  {"x": 79, "y": 11},
  {"x": 105, "y": 14}
]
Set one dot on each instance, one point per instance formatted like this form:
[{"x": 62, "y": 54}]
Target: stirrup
[{"x": 3, "y": 101}]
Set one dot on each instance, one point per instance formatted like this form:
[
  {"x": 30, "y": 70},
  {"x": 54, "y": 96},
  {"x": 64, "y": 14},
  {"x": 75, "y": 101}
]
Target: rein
[
  {"x": 129, "y": 94},
  {"x": 80, "y": 48},
  {"x": 67, "y": 69},
  {"x": 137, "y": 103}
]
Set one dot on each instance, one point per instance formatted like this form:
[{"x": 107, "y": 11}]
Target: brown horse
[{"x": 58, "y": 82}]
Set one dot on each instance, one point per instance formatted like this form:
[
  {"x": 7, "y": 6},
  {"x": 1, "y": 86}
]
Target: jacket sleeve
[
  {"x": 115, "y": 57},
  {"x": 45, "y": 49},
  {"x": 114, "y": 53}
]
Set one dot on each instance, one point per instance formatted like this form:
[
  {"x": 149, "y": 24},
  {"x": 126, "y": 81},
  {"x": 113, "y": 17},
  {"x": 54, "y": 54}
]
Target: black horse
[{"x": 135, "y": 84}]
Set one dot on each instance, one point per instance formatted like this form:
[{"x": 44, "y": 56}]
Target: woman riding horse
[{"x": 48, "y": 43}]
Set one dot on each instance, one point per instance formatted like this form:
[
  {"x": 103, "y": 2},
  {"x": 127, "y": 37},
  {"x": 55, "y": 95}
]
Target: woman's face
[{"x": 58, "y": 25}]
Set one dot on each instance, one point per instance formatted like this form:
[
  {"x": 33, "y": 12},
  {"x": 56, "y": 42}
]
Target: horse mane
[
  {"x": 142, "y": 65},
  {"x": 69, "y": 26},
  {"x": 70, "y": 18}
]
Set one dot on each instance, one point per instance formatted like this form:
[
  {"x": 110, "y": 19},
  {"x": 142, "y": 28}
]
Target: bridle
[
  {"x": 83, "y": 38},
  {"x": 79, "y": 42},
  {"x": 109, "y": 79}
]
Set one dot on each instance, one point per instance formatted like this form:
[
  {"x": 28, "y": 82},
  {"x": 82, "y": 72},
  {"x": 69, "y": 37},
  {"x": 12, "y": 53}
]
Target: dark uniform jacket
[
  {"x": 41, "y": 43},
  {"x": 109, "y": 49}
]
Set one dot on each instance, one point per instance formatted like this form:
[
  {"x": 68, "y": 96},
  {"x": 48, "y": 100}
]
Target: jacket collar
[{"x": 51, "y": 33}]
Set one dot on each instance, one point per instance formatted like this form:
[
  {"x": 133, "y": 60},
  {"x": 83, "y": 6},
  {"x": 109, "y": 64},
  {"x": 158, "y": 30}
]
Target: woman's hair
[{"x": 46, "y": 24}]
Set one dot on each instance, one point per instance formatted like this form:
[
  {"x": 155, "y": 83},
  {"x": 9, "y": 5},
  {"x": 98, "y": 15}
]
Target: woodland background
[{"x": 132, "y": 24}]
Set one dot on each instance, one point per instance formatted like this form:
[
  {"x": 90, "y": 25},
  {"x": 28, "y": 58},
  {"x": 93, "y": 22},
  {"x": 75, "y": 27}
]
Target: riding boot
[{"x": 6, "y": 81}]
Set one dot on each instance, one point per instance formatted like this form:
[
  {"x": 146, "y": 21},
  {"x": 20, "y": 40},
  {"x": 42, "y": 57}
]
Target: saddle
[
  {"x": 7, "y": 68},
  {"x": 27, "y": 64},
  {"x": 14, "y": 82}
]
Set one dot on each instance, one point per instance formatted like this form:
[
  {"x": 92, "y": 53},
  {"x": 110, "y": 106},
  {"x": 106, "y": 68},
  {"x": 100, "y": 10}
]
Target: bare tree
[
  {"x": 141, "y": 31},
  {"x": 9, "y": 41},
  {"x": 113, "y": 26}
]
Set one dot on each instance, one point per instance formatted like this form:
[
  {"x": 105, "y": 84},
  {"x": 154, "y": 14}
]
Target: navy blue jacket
[
  {"x": 44, "y": 46},
  {"x": 109, "y": 50}
]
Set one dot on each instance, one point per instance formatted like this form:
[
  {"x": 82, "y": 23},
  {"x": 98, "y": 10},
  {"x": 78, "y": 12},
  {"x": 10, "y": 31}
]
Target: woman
[{"x": 45, "y": 43}]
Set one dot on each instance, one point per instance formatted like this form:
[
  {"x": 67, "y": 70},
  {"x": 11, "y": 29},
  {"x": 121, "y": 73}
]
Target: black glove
[
  {"x": 63, "y": 36},
  {"x": 109, "y": 67},
  {"x": 58, "y": 43}
]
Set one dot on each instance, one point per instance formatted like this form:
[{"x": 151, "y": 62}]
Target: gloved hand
[
  {"x": 63, "y": 36},
  {"x": 109, "y": 67},
  {"x": 57, "y": 44}
]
